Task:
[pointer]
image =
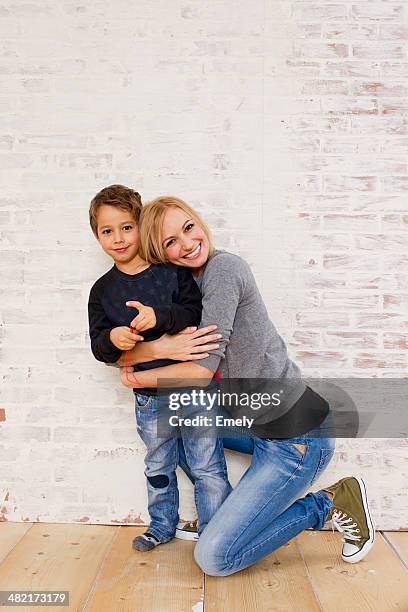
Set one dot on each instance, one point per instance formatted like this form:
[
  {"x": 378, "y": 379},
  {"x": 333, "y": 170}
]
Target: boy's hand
[
  {"x": 123, "y": 338},
  {"x": 146, "y": 319}
]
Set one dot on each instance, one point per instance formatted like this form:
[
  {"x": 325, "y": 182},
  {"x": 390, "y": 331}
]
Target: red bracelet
[{"x": 127, "y": 361}]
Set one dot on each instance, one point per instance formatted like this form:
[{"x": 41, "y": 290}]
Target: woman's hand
[{"x": 188, "y": 345}]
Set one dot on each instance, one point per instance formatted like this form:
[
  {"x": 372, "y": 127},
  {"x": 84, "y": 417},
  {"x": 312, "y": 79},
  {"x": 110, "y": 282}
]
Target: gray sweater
[{"x": 250, "y": 346}]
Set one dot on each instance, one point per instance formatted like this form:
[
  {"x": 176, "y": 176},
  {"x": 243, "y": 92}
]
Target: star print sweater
[{"x": 170, "y": 290}]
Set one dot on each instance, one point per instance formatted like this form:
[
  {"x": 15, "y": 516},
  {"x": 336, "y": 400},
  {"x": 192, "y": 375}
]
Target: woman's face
[{"x": 184, "y": 242}]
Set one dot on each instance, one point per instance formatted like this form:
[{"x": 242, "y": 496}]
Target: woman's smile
[
  {"x": 195, "y": 253},
  {"x": 184, "y": 241}
]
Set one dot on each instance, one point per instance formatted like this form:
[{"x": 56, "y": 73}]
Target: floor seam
[
  {"x": 309, "y": 575},
  {"x": 395, "y": 550},
  {"x": 99, "y": 571}
]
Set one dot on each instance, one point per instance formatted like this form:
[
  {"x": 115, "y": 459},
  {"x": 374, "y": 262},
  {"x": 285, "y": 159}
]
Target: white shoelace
[{"x": 342, "y": 521}]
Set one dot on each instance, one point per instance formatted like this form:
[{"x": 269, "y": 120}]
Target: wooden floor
[{"x": 98, "y": 567}]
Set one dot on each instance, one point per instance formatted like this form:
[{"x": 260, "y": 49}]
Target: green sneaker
[
  {"x": 351, "y": 516},
  {"x": 187, "y": 530}
]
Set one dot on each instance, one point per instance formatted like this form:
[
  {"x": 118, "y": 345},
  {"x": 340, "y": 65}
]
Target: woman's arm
[
  {"x": 189, "y": 345},
  {"x": 223, "y": 288},
  {"x": 175, "y": 375},
  {"x": 141, "y": 353}
]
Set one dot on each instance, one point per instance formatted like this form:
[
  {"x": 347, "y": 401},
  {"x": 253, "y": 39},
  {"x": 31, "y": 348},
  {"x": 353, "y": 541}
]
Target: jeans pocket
[
  {"x": 143, "y": 401},
  {"x": 325, "y": 456}
]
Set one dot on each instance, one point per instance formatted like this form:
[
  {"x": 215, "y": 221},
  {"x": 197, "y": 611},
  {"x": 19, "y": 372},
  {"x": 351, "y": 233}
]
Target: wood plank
[
  {"x": 166, "y": 578},
  {"x": 399, "y": 540},
  {"x": 10, "y": 535},
  {"x": 377, "y": 584},
  {"x": 102, "y": 572},
  {"x": 277, "y": 582},
  {"x": 57, "y": 557}
]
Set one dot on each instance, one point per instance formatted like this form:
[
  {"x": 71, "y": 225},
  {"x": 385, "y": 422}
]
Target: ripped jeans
[
  {"x": 266, "y": 509},
  {"x": 205, "y": 458}
]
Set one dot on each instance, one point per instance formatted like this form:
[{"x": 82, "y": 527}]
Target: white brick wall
[{"x": 285, "y": 122}]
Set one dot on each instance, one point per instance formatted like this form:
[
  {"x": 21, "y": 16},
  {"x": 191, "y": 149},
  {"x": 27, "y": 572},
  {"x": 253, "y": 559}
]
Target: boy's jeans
[{"x": 206, "y": 462}]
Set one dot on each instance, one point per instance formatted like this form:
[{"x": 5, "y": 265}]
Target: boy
[{"x": 168, "y": 300}]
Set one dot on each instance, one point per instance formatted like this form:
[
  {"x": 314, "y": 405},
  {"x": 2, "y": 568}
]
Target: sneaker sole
[
  {"x": 186, "y": 535},
  {"x": 359, "y": 555}
]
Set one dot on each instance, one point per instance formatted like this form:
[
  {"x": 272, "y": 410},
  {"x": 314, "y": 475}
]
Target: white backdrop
[{"x": 285, "y": 123}]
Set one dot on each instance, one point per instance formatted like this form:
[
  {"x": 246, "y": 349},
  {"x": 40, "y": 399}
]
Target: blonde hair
[{"x": 151, "y": 227}]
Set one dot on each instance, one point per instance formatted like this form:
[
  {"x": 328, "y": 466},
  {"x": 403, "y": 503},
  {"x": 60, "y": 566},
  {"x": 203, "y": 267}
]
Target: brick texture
[{"x": 285, "y": 123}]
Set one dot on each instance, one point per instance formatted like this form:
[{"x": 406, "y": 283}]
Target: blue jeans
[
  {"x": 265, "y": 511},
  {"x": 205, "y": 458}
]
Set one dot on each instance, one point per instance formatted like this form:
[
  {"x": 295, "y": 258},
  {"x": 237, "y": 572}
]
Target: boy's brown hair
[{"x": 118, "y": 196}]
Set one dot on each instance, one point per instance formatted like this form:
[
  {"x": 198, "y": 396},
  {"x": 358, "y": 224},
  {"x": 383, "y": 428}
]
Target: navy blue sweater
[{"x": 169, "y": 289}]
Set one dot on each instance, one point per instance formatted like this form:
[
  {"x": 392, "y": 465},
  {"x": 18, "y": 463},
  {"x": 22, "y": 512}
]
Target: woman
[{"x": 266, "y": 509}]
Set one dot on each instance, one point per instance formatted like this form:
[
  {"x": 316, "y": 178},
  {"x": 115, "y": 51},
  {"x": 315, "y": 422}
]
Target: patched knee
[
  {"x": 159, "y": 482},
  {"x": 300, "y": 447}
]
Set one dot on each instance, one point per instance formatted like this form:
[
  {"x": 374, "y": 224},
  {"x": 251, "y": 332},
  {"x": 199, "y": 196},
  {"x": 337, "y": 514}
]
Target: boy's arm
[
  {"x": 100, "y": 327},
  {"x": 175, "y": 317}
]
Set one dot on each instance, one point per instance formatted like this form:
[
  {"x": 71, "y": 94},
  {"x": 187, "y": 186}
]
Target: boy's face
[{"x": 118, "y": 233}]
